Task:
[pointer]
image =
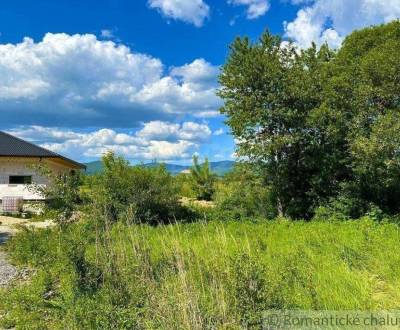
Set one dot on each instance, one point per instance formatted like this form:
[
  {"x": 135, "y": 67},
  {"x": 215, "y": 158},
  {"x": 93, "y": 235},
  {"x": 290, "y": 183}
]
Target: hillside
[{"x": 219, "y": 168}]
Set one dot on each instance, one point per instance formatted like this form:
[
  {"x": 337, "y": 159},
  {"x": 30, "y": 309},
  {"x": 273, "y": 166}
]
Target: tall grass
[{"x": 202, "y": 275}]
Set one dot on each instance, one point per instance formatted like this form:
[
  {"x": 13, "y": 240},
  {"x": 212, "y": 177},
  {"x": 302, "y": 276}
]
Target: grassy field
[{"x": 201, "y": 275}]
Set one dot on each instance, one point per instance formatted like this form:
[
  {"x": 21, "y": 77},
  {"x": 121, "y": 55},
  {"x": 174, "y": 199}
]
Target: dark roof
[{"x": 11, "y": 146}]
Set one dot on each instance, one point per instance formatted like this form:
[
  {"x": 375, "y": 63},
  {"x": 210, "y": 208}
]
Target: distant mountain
[
  {"x": 94, "y": 167},
  {"x": 171, "y": 168},
  {"x": 219, "y": 168},
  {"x": 222, "y": 167}
]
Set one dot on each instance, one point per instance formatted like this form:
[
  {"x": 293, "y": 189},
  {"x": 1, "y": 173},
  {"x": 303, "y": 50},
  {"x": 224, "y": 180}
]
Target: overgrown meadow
[
  {"x": 202, "y": 275},
  {"x": 309, "y": 221}
]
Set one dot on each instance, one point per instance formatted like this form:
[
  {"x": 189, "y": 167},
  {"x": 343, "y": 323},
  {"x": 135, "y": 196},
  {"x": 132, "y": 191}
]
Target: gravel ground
[
  {"x": 7, "y": 271},
  {"x": 7, "y": 228}
]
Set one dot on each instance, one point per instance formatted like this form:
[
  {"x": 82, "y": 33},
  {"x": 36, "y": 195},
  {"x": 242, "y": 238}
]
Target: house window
[{"x": 20, "y": 179}]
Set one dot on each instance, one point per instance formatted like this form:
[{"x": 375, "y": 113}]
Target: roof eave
[{"x": 67, "y": 160}]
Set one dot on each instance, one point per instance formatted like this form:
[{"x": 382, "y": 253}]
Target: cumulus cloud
[
  {"x": 191, "y": 131},
  {"x": 255, "y": 8},
  {"x": 198, "y": 72},
  {"x": 331, "y": 20},
  {"x": 155, "y": 140},
  {"x": 78, "y": 80},
  {"x": 40, "y": 134},
  {"x": 192, "y": 11}
]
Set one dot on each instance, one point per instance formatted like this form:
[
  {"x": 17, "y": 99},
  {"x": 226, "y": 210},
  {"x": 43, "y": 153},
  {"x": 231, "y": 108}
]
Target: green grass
[{"x": 202, "y": 275}]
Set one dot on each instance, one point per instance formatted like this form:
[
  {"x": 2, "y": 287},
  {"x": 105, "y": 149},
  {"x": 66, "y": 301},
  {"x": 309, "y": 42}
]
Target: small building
[{"x": 18, "y": 159}]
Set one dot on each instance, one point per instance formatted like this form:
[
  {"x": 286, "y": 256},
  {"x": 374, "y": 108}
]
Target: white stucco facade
[{"x": 23, "y": 166}]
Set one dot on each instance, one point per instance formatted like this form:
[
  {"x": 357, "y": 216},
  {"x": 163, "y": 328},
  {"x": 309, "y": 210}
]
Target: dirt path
[{"x": 8, "y": 227}]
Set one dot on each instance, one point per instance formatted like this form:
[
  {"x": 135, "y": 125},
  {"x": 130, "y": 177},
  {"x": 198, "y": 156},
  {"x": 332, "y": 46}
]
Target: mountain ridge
[{"x": 219, "y": 167}]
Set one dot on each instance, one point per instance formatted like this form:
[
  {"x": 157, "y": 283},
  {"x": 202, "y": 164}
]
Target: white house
[{"x": 17, "y": 167}]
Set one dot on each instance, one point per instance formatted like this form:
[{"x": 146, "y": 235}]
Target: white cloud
[
  {"x": 79, "y": 80},
  {"x": 191, "y": 131},
  {"x": 45, "y": 134},
  {"x": 255, "y": 8},
  {"x": 164, "y": 150},
  {"x": 107, "y": 34},
  {"x": 232, "y": 21},
  {"x": 207, "y": 114},
  {"x": 155, "y": 140},
  {"x": 197, "y": 72},
  {"x": 190, "y": 11},
  {"x": 331, "y": 20},
  {"x": 219, "y": 131}
]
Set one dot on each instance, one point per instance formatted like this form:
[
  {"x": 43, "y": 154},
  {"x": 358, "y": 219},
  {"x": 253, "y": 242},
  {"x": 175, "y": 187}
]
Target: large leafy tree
[
  {"x": 302, "y": 113},
  {"x": 273, "y": 96},
  {"x": 369, "y": 67}
]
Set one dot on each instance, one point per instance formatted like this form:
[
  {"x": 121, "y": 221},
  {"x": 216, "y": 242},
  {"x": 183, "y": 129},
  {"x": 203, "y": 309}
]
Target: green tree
[
  {"x": 377, "y": 163},
  {"x": 303, "y": 114},
  {"x": 109, "y": 190},
  {"x": 62, "y": 194},
  {"x": 202, "y": 179},
  {"x": 133, "y": 193},
  {"x": 272, "y": 97},
  {"x": 366, "y": 92},
  {"x": 244, "y": 193}
]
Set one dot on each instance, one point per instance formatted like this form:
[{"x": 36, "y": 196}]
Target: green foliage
[
  {"x": 316, "y": 118},
  {"x": 270, "y": 93},
  {"x": 377, "y": 163},
  {"x": 320, "y": 130},
  {"x": 197, "y": 276},
  {"x": 62, "y": 194},
  {"x": 202, "y": 179},
  {"x": 185, "y": 185},
  {"x": 134, "y": 194},
  {"x": 243, "y": 193},
  {"x": 249, "y": 288}
]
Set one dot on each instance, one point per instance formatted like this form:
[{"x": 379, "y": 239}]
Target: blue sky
[{"x": 139, "y": 76}]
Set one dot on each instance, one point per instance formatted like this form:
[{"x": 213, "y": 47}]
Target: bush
[
  {"x": 202, "y": 179},
  {"x": 185, "y": 185},
  {"x": 243, "y": 194},
  {"x": 62, "y": 194},
  {"x": 349, "y": 205},
  {"x": 133, "y": 193}
]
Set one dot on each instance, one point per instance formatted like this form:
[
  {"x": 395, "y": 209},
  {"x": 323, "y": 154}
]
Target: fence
[{"x": 12, "y": 204}]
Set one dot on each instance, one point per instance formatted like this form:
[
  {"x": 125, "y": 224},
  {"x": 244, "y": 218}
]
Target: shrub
[
  {"x": 133, "y": 193},
  {"x": 202, "y": 179},
  {"x": 243, "y": 193},
  {"x": 62, "y": 194},
  {"x": 184, "y": 185}
]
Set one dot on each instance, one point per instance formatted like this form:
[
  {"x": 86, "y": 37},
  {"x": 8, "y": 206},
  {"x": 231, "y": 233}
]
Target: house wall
[{"x": 24, "y": 166}]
